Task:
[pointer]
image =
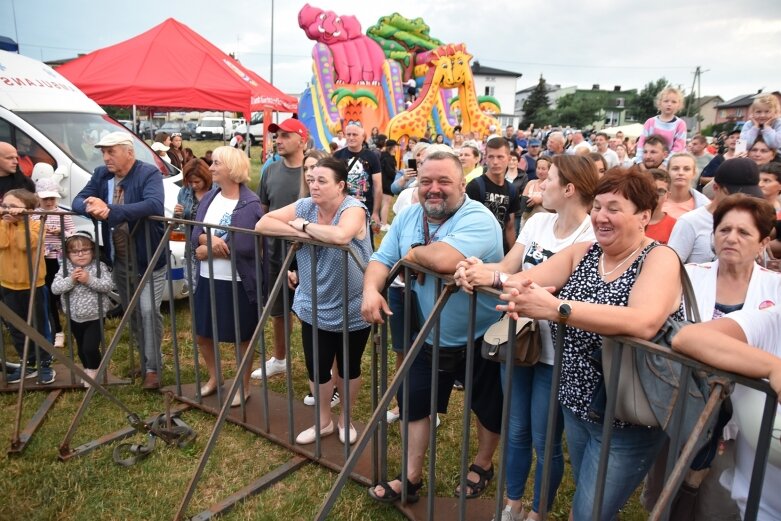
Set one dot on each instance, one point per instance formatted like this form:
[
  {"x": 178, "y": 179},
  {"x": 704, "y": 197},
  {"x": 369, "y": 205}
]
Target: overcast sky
[{"x": 605, "y": 42}]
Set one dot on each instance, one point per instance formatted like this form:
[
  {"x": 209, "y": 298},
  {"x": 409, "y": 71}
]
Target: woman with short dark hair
[
  {"x": 741, "y": 229},
  {"x": 328, "y": 215},
  {"x": 622, "y": 284}
]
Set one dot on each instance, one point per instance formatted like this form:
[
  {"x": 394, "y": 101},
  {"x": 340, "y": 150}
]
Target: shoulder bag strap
[{"x": 689, "y": 299}]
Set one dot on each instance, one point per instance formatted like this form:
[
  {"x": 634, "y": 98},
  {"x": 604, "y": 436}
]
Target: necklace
[{"x": 602, "y": 260}]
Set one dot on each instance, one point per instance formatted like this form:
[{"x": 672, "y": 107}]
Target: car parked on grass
[
  {"x": 176, "y": 127},
  {"x": 212, "y": 127}
]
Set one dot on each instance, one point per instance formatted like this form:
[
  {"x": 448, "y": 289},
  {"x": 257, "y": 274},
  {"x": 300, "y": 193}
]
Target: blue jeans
[
  {"x": 632, "y": 452},
  {"x": 531, "y": 387},
  {"x": 146, "y": 323}
]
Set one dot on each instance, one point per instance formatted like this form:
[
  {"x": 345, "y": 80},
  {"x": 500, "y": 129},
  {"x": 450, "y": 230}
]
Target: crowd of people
[{"x": 570, "y": 227}]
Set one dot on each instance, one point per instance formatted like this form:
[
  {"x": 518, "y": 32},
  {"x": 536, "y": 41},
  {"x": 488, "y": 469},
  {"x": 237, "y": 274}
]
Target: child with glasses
[
  {"x": 85, "y": 287},
  {"x": 18, "y": 255}
]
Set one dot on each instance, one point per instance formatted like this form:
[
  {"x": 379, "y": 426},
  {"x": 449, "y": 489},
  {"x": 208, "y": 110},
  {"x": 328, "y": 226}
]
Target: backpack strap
[{"x": 481, "y": 186}]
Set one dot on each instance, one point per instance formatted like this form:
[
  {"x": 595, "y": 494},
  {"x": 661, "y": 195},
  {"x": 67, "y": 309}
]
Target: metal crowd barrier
[
  {"x": 382, "y": 391},
  {"x": 681, "y": 451},
  {"x": 45, "y": 331},
  {"x": 256, "y": 413}
]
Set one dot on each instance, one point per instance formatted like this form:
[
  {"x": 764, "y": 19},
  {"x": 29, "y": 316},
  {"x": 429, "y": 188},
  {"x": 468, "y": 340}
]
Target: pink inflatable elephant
[{"x": 357, "y": 59}]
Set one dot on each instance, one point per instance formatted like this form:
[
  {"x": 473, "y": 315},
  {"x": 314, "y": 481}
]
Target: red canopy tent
[{"x": 171, "y": 66}]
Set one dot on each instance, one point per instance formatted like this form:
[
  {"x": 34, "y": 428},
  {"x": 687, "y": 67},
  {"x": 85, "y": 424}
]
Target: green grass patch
[{"x": 37, "y": 486}]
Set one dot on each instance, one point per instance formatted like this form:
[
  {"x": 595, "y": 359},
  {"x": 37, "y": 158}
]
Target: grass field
[{"x": 37, "y": 486}]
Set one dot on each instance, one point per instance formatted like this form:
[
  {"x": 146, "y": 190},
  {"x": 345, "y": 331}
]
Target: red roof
[{"x": 172, "y": 67}]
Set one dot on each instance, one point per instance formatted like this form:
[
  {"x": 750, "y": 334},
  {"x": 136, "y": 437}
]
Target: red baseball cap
[{"x": 290, "y": 125}]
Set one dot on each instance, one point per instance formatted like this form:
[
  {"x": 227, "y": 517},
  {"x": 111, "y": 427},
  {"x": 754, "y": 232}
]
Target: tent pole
[
  {"x": 135, "y": 120},
  {"x": 266, "y": 135},
  {"x": 247, "y": 140}
]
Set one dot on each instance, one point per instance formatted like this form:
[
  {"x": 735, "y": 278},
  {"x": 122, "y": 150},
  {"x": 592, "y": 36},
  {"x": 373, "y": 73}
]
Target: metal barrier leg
[{"x": 379, "y": 412}]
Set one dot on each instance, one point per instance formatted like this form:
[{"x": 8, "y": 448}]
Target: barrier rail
[
  {"x": 681, "y": 458},
  {"x": 35, "y": 332},
  {"x": 375, "y": 435}
]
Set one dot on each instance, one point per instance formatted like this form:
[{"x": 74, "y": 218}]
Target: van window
[
  {"x": 30, "y": 153},
  {"x": 76, "y": 135}
]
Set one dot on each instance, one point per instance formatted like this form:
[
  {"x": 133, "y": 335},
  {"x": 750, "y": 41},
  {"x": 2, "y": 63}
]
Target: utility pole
[
  {"x": 696, "y": 81},
  {"x": 271, "y": 75}
]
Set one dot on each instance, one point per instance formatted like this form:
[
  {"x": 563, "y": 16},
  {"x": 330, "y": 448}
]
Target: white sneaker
[
  {"x": 385, "y": 228},
  {"x": 509, "y": 515},
  {"x": 59, "y": 340},
  {"x": 309, "y": 399},
  {"x": 273, "y": 366},
  {"x": 92, "y": 373}
]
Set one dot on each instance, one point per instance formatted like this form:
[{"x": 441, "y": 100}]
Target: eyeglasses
[
  {"x": 80, "y": 252},
  {"x": 661, "y": 192},
  {"x": 11, "y": 207}
]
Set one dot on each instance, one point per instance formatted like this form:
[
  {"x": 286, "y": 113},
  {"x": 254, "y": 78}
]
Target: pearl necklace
[{"x": 602, "y": 260}]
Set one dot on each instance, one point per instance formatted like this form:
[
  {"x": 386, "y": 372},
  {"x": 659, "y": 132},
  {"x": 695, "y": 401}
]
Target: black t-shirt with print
[
  {"x": 497, "y": 198},
  {"x": 359, "y": 177}
]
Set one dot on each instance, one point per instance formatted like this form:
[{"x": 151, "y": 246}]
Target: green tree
[
  {"x": 644, "y": 105},
  {"x": 536, "y": 105},
  {"x": 579, "y": 110}
]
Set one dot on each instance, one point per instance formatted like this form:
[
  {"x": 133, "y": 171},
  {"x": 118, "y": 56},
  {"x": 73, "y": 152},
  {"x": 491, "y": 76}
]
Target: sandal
[
  {"x": 391, "y": 496},
  {"x": 477, "y": 487}
]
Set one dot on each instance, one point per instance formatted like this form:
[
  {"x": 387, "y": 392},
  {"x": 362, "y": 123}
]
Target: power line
[{"x": 582, "y": 66}]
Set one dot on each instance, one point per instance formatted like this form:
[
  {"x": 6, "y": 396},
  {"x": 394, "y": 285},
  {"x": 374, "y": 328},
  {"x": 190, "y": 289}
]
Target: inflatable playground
[{"x": 364, "y": 78}]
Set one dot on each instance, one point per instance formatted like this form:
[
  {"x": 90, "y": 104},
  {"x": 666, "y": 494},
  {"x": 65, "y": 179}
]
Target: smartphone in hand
[
  {"x": 740, "y": 146},
  {"x": 412, "y": 163}
]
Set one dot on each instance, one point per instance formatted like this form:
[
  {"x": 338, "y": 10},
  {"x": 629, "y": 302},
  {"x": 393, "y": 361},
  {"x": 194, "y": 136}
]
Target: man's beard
[
  {"x": 649, "y": 165},
  {"x": 440, "y": 211}
]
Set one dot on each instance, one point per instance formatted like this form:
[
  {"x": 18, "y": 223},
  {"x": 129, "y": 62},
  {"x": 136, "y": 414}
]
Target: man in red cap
[{"x": 279, "y": 187}]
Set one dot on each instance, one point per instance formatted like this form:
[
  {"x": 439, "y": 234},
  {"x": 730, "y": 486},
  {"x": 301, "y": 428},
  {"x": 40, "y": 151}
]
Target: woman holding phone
[{"x": 408, "y": 175}]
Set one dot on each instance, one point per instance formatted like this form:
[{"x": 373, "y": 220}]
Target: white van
[{"x": 49, "y": 120}]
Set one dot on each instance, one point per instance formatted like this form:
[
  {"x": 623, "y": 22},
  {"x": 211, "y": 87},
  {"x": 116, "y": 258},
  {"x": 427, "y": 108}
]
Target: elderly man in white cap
[{"x": 121, "y": 193}]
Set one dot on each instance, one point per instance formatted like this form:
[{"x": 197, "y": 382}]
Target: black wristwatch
[
  {"x": 565, "y": 310},
  {"x": 411, "y": 246}
]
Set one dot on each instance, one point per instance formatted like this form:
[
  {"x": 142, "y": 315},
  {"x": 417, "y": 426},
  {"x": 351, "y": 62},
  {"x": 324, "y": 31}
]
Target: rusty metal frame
[
  {"x": 245, "y": 361},
  {"x": 18, "y": 445}
]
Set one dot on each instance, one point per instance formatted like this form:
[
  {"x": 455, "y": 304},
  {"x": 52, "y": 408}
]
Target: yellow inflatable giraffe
[
  {"x": 473, "y": 119},
  {"x": 413, "y": 121}
]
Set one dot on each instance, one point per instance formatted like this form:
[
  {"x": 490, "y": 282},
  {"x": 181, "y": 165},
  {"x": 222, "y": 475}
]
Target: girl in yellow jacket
[{"x": 15, "y": 280}]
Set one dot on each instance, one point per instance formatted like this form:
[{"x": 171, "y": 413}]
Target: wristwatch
[
  {"x": 565, "y": 310},
  {"x": 303, "y": 225}
]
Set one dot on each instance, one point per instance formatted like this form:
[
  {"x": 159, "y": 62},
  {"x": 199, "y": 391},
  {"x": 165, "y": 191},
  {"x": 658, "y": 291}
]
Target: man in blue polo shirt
[{"x": 443, "y": 230}]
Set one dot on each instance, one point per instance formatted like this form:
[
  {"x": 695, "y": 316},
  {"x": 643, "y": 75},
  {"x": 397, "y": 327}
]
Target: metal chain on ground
[{"x": 162, "y": 427}]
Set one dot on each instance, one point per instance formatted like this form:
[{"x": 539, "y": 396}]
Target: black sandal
[
  {"x": 391, "y": 496},
  {"x": 478, "y": 487}
]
